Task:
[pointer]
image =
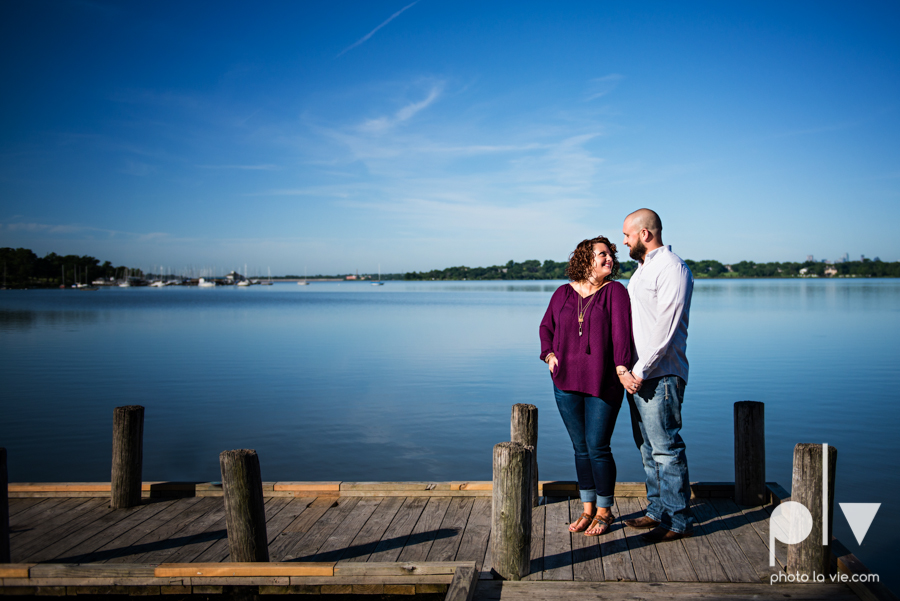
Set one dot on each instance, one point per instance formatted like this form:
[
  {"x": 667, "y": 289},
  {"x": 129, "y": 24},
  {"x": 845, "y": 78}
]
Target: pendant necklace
[{"x": 581, "y": 311}]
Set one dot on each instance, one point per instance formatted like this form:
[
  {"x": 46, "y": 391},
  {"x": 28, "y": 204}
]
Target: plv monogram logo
[{"x": 791, "y": 522}]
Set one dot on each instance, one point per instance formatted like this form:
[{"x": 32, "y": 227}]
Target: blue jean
[
  {"x": 655, "y": 423},
  {"x": 590, "y": 422}
]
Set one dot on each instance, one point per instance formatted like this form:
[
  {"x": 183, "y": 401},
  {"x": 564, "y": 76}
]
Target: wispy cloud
[
  {"x": 78, "y": 229},
  {"x": 371, "y": 33},
  {"x": 138, "y": 169},
  {"x": 407, "y": 112},
  {"x": 242, "y": 167},
  {"x": 602, "y": 86}
]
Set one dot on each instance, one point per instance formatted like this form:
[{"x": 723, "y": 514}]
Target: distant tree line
[
  {"x": 749, "y": 269},
  {"x": 527, "y": 270},
  {"x": 21, "y": 268},
  {"x": 555, "y": 270}
]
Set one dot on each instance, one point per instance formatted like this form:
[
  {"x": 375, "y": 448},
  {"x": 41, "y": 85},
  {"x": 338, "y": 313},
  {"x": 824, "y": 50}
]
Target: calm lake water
[{"x": 414, "y": 381}]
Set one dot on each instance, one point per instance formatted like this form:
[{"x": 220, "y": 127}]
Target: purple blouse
[{"x": 587, "y": 363}]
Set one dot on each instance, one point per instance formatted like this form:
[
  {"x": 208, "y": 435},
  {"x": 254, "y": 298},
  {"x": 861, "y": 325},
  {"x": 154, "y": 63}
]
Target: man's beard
[{"x": 638, "y": 251}]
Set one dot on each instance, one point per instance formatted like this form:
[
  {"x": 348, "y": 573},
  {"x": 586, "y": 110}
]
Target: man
[{"x": 660, "y": 292}]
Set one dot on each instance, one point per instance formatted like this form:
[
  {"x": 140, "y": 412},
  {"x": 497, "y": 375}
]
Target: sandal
[
  {"x": 599, "y": 519},
  {"x": 583, "y": 516}
]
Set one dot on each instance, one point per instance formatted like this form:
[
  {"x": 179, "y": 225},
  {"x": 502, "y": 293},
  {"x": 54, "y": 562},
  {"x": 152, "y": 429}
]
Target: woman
[{"x": 586, "y": 342}]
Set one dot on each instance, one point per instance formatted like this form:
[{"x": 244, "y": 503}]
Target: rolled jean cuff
[
  {"x": 605, "y": 502},
  {"x": 588, "y": 496}
]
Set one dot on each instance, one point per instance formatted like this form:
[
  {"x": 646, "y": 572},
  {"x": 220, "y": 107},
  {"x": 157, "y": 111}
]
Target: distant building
[
  {"x": 845, "y": 258},
  {"x": 810, "y": 259},
  {"x": 830, "y": 271}
]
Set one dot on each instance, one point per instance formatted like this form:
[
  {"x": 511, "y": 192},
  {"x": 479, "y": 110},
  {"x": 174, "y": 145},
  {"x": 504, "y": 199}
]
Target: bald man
[{"x": 660, "y": 292}]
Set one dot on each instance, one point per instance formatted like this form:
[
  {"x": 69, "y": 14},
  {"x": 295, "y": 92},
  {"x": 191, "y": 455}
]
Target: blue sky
[{"x": 339, "y": 135}]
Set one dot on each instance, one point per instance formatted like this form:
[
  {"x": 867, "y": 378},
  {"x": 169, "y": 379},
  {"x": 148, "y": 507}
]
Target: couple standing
[{"x": 600, "y": 340}]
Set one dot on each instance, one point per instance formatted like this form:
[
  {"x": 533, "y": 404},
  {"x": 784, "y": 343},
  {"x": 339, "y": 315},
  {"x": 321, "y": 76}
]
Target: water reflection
[{"x": 24, "y": 320}]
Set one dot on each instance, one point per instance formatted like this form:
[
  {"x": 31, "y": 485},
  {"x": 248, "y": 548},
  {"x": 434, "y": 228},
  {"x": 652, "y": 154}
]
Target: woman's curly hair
[{"x": 581, "y": 261}]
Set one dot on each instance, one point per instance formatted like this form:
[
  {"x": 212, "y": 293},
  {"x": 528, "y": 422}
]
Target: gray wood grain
[{"x": 557, "y": 540}]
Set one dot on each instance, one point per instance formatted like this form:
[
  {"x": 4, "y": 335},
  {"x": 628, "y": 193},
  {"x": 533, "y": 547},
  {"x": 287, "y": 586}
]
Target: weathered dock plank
[
  {"x": 70, "y": 547},
  {"x": 661, "y": 591},
  {"x": 395, "y": 537},
  {"x": 393, "y": 545},
  {"x": 474, "y": 540},
  {"x": 305, "y": 549},
  {"x": 538, "y": 520},
  {"x": 57, "y": 525},
  {"x": 749, "y": 541},
  {"x": 427, "y": 528},
  {"x": 214, "y": 511},
  {"x": 165, "y": 535},
  {"x": 289, "y": 511},
  {"x": 447, "y": 541},
  {"x": 37, "y": 515},
  {"x": 337, "y": 542},
  {"x": 614, "y": 553},
  {"x": 218, "y": 551},
  {"x": 674, "y": 558},
  {"x": 759, "y": 519},
  {"x": 557, "y": 540},
  {"x": 586, "y": 561},
  {"x": 733, "y": 561},
  {"x": 118, "y": 546},
  {"x": 365, "y": 541},
  {"x": 644, "y": 557},
  {"x": 20, "y": 505},
  {"x": 293, "y": 532}
]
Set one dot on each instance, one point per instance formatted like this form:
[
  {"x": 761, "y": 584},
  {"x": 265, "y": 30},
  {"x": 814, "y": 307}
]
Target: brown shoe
[
  {"x": 660, "y": 534},
  {"x": 642, "y": 523}
]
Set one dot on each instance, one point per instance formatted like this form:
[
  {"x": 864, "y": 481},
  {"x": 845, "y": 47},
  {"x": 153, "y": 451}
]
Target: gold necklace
[{"x": 581, "y": 312}]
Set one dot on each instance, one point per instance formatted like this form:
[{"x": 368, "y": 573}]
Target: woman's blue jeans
[{"x": 590, "y": 422}]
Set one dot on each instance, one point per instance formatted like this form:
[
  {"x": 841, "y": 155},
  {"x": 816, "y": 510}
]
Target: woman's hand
[
  {"x": 552, "y": 363},
  {"x": 631, "y": 384}
]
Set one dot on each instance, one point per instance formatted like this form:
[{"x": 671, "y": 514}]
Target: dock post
[
  {"x": 750, "y": 453},
  {"x": 245, "y": 513},
  {"x": 813, "y": 554},
  {"x": 523, "y": 428},
  {"x": 511, "y": 511},
  {"x": 4, "y": 509},
  {"x": 128, "y": 451}
]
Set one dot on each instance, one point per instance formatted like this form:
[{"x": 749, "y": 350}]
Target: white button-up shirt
[{"x": 660, "y": 292}]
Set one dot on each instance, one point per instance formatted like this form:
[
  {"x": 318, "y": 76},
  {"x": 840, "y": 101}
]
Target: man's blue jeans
[
  {"x": 655, "y": 423},
  {"x": 590, "y": 422}
]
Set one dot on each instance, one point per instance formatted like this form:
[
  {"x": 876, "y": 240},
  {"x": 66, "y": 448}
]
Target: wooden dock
[{"x": 389, "y": 539}]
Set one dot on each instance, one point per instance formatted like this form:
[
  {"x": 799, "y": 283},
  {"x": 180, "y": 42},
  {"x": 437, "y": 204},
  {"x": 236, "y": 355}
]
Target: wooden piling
[
  {"x": 750, "y": 453},
  {"x": 128, "y": 444},
  {"x": 523, "y": 428},
  {"x": 245, "y": 514},
  {"x": 813, "y": 555},
  {"x": 511, "y": 511},
  {"x": 4, "y": 509}
]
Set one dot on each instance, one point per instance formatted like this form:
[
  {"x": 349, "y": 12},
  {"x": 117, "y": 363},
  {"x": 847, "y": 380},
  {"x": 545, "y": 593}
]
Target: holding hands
[{"x": 631, "y": 383}]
